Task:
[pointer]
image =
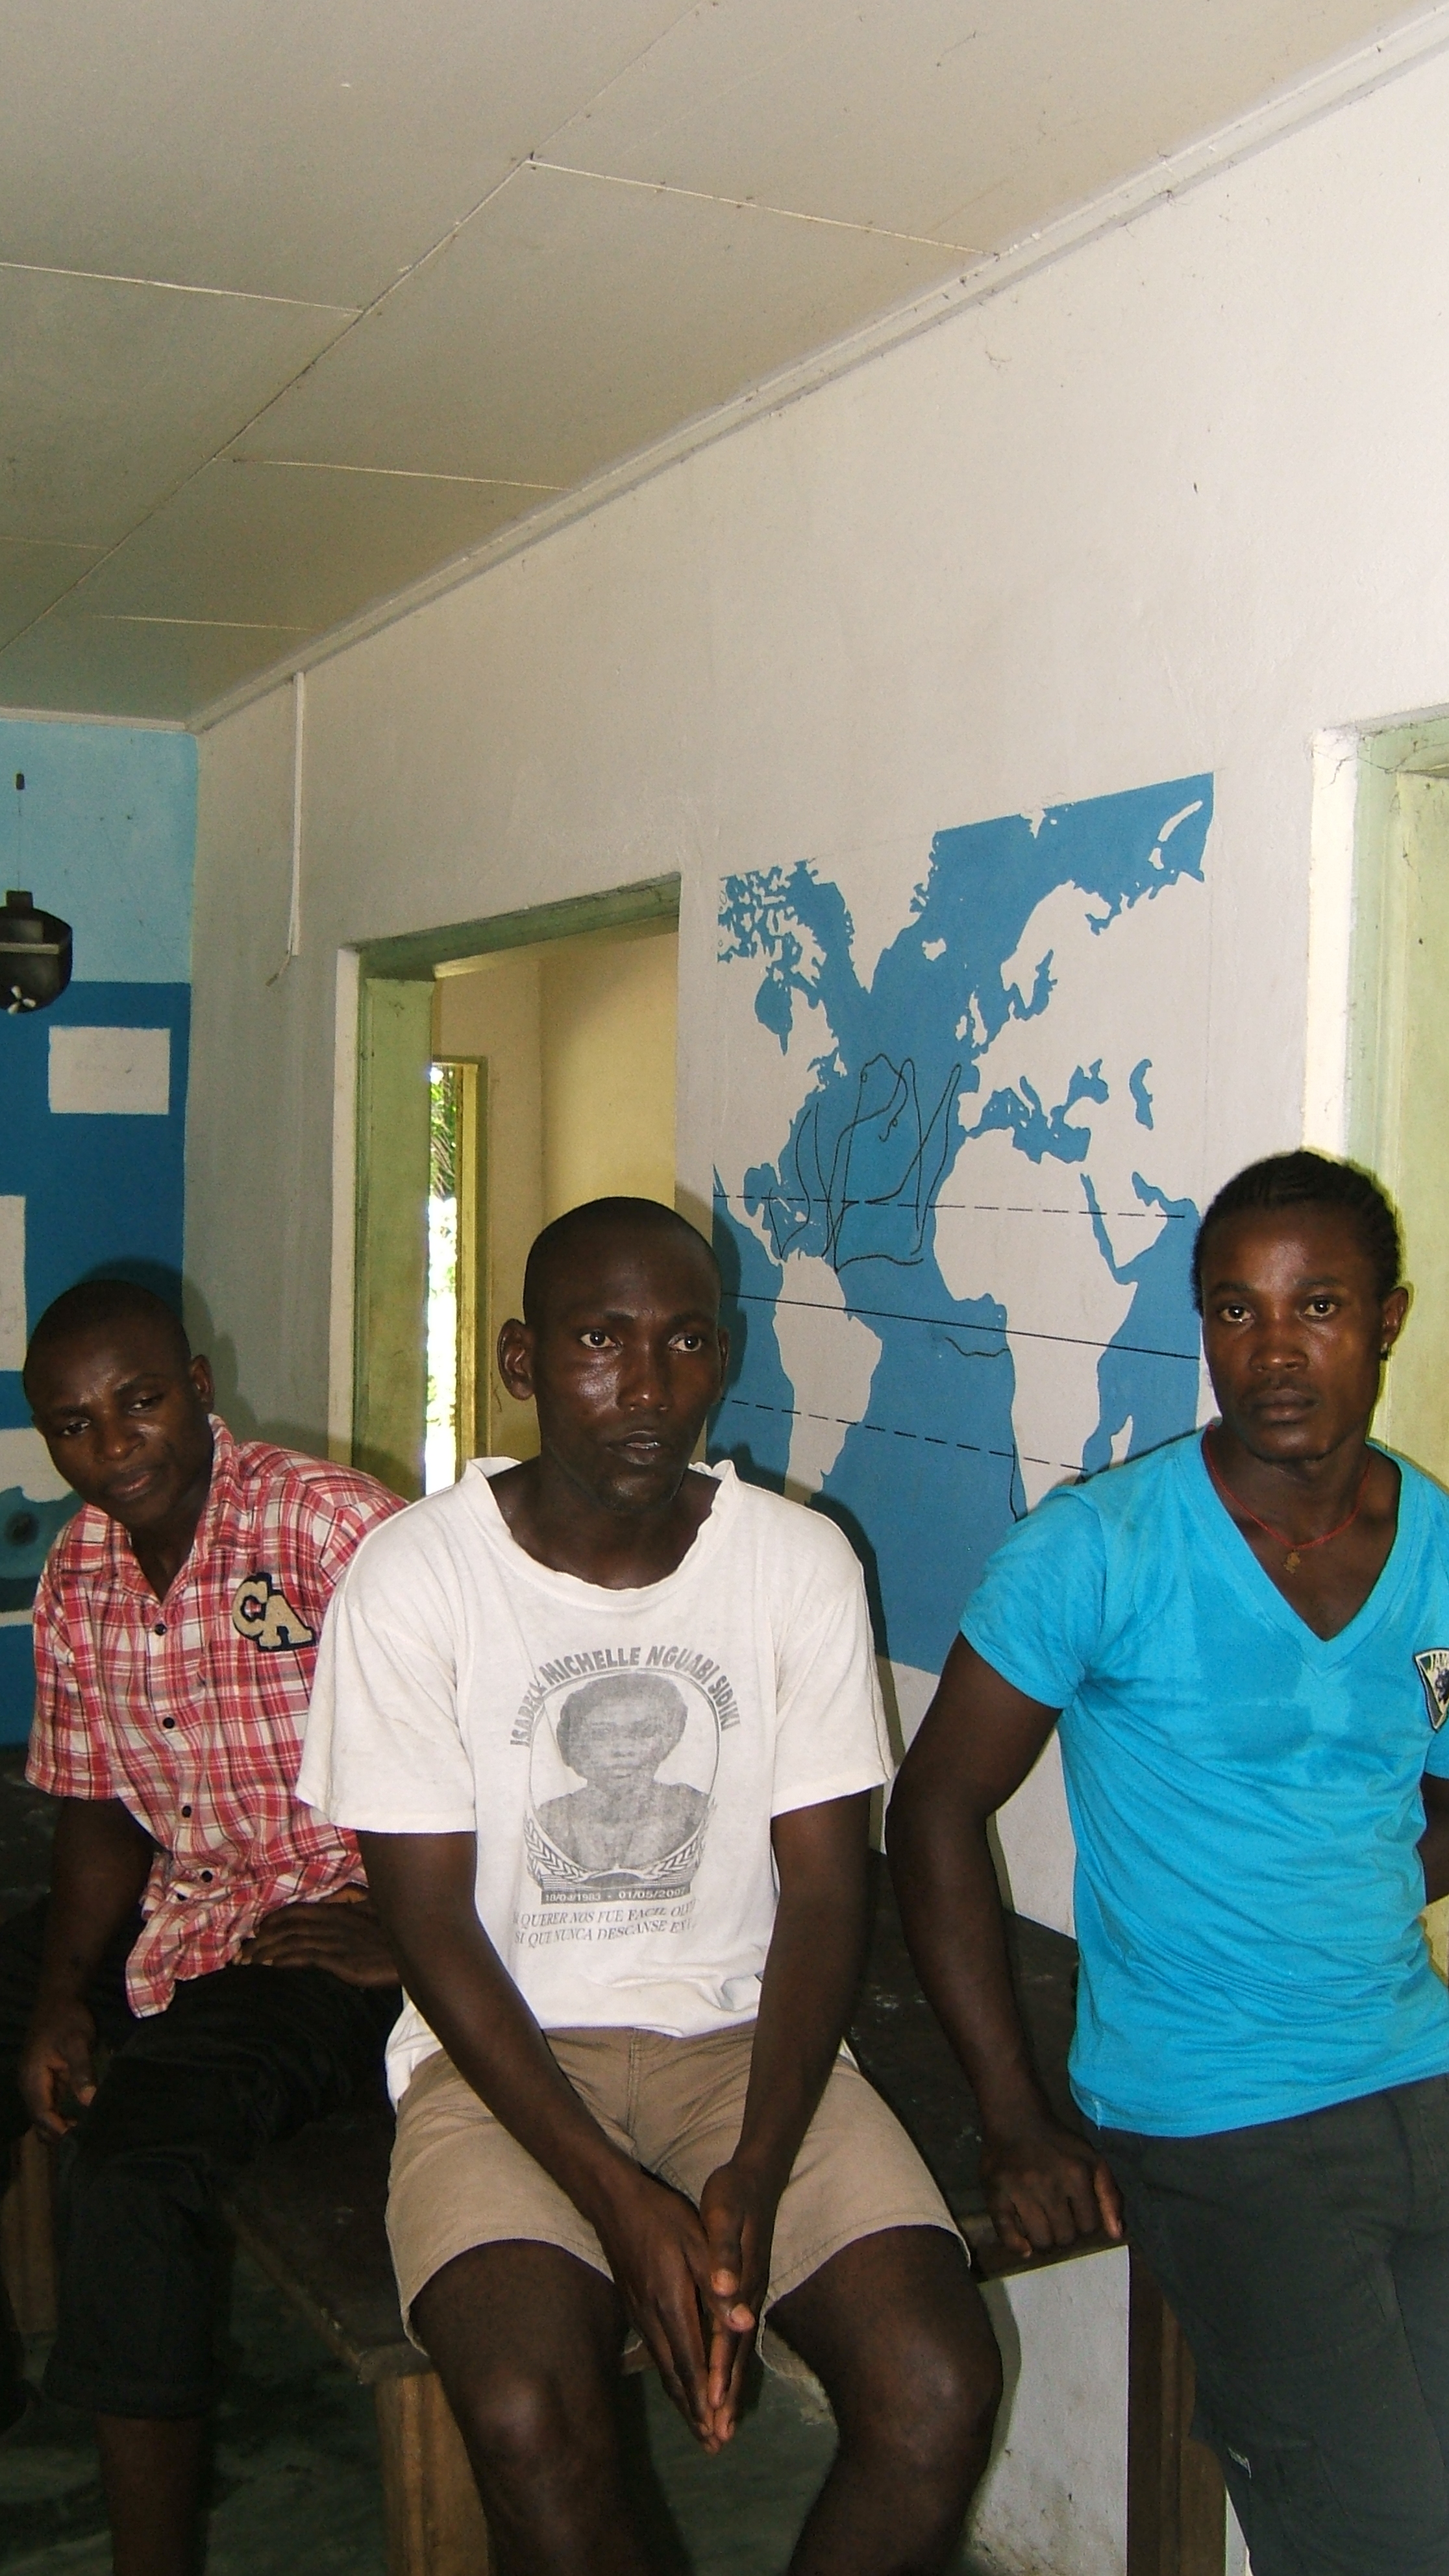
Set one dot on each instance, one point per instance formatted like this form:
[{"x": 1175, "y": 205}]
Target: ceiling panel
[
  {"x": 908, "y": 117},
  {"x": 32, "y": 577},
  {"x": 297, "y": 549},
  {"x": 108, "y": 394},
  {"x": 311, "y": 150},
  {"x": 573, "y": 321},
  {"x": 82, "y": 666},
  {"x": 382, "y": 284}
]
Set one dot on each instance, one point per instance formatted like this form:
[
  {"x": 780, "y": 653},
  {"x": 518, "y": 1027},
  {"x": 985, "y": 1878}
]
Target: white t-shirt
[{"x": 618, "y": 1754}]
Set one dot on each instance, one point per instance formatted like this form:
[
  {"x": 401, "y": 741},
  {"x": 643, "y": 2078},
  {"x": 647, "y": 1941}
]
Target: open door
[
  {"x": 1399, "y": 1078},
  {"x": 1412, "y": 1120}
]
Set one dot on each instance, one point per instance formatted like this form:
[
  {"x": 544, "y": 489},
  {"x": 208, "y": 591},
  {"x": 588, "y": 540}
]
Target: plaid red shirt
[{"x": 190, "y": 1710}]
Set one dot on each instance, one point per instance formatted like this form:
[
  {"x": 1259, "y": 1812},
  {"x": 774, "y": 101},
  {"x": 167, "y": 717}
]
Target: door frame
[{"x": 1356, "y": 925}]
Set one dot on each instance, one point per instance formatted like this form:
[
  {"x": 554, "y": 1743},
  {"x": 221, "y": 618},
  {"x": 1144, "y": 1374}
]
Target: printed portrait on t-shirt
[{"x": 621, "y": 1774}]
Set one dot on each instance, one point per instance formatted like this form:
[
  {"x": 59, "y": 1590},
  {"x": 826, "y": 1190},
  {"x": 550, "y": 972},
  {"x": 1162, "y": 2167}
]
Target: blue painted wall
[{"x": 104, "y": 833}]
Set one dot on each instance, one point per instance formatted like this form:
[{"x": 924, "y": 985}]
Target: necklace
[{"x": 1295, "y": 1548}]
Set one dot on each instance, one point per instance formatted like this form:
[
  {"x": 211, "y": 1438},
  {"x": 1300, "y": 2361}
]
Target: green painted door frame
[
  {"x": 394, "y": 1051},
  {"x": 390, "y": 1354}
]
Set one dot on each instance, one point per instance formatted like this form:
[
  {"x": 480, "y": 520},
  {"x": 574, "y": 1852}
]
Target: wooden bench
[{"x": 310, "y": 2212}]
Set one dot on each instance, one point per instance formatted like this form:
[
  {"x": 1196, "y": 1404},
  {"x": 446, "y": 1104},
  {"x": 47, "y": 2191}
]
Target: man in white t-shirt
[{"x": 607, "y": 1726}]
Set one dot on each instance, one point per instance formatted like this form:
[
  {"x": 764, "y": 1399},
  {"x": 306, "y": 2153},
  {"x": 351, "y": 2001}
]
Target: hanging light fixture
[
  {"x": 35, "y": 947},
  {"x": 35, "y": 954}
]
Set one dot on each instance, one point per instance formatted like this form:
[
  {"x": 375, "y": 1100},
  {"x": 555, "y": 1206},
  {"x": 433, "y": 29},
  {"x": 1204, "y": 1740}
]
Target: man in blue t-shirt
[{"x": 1244, "y": 1637}]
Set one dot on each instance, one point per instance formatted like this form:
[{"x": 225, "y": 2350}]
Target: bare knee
[
  {"x": 896, "y": 2329},
  {"x": 525, "y": 2341},
  {"x": 956, "y": 2395},
  {"x": 930, "y": 2403},
  {"x": 522, "y": 2425}
]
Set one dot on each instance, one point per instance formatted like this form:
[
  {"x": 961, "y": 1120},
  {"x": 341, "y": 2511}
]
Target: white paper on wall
[
  {"x": 12, "y": 1283},
  {"x": 96, "y": 1073}
]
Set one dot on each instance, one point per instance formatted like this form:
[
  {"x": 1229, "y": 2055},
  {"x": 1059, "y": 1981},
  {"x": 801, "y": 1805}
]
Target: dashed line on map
[{"x": 893, "y": 1431}]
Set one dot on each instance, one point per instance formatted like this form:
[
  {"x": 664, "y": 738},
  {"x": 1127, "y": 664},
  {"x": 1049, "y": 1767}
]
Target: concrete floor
[{"x": 296, "y": 2469}]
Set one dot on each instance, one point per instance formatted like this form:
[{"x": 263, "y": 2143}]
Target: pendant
[{"x": 1290, "y": 1561}]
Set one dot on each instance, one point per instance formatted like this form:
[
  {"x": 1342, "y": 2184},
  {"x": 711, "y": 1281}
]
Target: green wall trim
[{"x": 418, "y": 952}]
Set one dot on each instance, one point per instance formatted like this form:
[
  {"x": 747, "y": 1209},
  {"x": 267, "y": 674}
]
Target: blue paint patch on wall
[
  {"x": 101, "y": 1192},
  {"x": 104, "y": 833}
]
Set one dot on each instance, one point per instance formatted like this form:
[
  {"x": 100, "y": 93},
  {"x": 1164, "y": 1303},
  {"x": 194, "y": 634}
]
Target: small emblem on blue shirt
[
  {"x": 1434, "y": 1674},
  {"x": 260, "y": 1610}
]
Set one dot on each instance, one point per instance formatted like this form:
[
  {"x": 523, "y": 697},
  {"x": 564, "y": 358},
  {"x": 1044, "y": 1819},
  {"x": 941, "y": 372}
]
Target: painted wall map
[{"x": 956, "y": 1190}]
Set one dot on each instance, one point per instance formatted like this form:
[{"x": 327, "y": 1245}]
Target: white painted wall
[{"x": 1177, "y": 503}]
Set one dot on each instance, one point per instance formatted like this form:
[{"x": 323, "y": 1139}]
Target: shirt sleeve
[
  {"x": 337, "y": 1517},
  {"x": 65, "y": 1758},
  {"x": 1036, "y": 1616},
  {"x": 382, "y": 1752},
  {"x": 831, "y": 1738}
]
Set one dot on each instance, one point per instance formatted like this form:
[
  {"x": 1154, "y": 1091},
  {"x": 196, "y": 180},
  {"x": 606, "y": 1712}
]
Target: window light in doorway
[{"x": 440, "y": 1448}]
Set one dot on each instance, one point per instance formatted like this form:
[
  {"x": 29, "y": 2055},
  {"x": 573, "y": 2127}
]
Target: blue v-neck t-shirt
[{"x": 1245, "y": 1797}]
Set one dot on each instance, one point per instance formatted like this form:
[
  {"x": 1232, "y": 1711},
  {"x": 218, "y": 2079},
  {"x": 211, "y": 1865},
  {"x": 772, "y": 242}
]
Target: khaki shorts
[{"x": 675, "y": 2105}]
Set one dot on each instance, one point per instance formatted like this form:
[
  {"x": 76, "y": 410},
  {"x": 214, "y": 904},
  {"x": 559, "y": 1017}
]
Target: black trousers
[
  {"x": 236, "y": 2060},
  {"x": 1308, "y": 2264}
]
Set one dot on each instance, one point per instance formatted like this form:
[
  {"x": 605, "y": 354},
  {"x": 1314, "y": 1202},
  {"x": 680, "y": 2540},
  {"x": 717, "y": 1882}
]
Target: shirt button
[
  {"x": 160, "y": 1628},
  {"x": 186, "y": 1811},
  {"x": 206, "y": 1873},
  {"x": 168, "y": 1721}
]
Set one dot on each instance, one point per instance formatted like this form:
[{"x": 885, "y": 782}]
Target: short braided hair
[{"x": 1306, "y": 1179}]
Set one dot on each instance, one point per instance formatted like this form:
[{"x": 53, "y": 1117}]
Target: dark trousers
[
  {"x": 189, "y": 2095},
  {"x": 1308, "y": 2264}
]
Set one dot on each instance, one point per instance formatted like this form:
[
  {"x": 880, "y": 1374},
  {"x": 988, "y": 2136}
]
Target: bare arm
[
  {"x": 422, "y": 1886},
  {"x": 1434, "y": 1841},
  {"x": 816, "y": 1951},
  {"x": 99, "y": 1865},
  {"x": 979, "y": 1739}
]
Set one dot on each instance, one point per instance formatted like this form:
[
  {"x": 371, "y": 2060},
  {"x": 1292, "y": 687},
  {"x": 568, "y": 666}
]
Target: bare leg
[
  {"x": 152, "y": 2469},
  {"x": 526, "y": 2340},
  {"x": 894, "y": 2329}
]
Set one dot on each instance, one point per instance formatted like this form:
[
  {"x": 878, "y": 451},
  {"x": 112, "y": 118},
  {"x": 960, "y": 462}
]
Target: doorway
[
  {"x": 1397, "y": 1087},
  {"x": 502, "y": 1079},
  {"x": 1395, "y": 1099}
]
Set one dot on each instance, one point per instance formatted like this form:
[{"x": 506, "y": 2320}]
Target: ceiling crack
[
  {"x": 753, "y": 206},
  {"x": 398, "y": 473},
  {"x": 170, "y": 286},
  {"x": 242, "y": 625}
]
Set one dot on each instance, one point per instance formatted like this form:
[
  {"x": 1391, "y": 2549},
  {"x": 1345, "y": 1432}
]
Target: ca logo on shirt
[
  {"x": 1434, "y": 1674},
  {"x": 260, "y": 1610}
]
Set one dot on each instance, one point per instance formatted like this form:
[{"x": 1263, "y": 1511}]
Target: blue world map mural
[{"x": 867, "y": 1206}]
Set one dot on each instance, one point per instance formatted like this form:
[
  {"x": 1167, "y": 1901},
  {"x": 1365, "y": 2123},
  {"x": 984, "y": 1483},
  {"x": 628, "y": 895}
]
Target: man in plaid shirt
[{"x": 211, "y": 1933}]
